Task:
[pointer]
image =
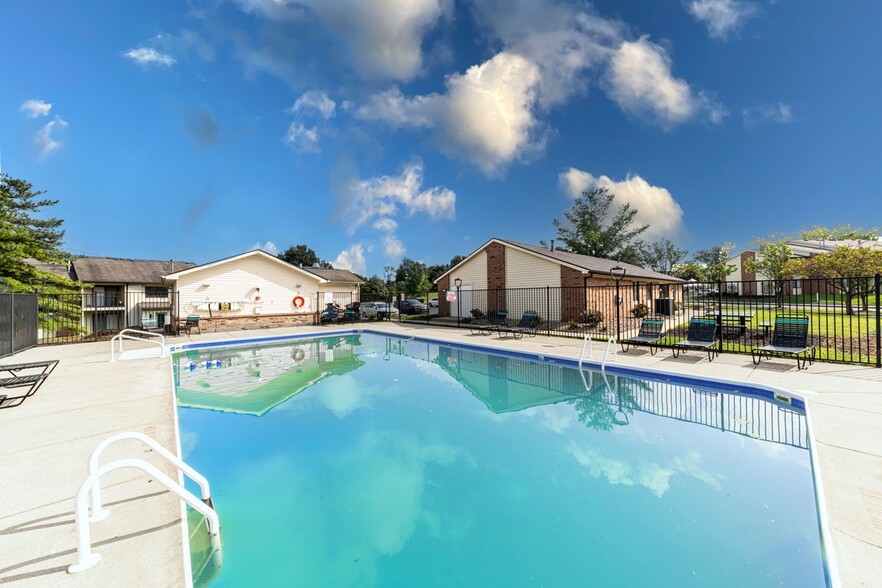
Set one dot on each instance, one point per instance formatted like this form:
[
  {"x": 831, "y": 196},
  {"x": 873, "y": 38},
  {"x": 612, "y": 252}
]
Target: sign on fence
[{"x": 451, "y": 296}]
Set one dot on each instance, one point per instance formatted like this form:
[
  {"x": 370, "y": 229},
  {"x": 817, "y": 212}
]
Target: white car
[
  {"x": 374, "y": 310},
  {"x": 433, "y": 303}
]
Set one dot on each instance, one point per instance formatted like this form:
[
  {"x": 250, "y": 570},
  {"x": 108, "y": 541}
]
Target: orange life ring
[{"x": 298, "y": 301}]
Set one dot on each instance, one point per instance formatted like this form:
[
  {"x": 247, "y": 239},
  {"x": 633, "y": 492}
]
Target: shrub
[
  {"x": 573, "y": 325},
  {"x": 477, "y": 313},
  {"x": 591, "y": 318},
  {"x": 640, "y": 311}
]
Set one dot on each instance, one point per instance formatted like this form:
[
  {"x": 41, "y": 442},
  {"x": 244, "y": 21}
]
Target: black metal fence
[
  {"x": 18, "y": 322},
  {"x": 73, "y": 318},
  {"x": 844, "y": 313}
]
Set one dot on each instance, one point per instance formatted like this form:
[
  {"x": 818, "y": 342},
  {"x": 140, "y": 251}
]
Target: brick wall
[
  {"x": 496, "y": 277},
  {"x": 258, "y": 321},
  {"x": 443, "y": 305},
  {"x": 572, "y": 301}
]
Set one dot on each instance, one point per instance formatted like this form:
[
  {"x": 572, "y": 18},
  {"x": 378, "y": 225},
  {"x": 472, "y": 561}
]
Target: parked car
[
  {"x": 433, "y": 303},
  {"x": 413, "y": 306},
  {"x": 377, "y": 310}
]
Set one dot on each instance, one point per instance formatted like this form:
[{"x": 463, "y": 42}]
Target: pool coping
[{"x": 768, "y": 391}]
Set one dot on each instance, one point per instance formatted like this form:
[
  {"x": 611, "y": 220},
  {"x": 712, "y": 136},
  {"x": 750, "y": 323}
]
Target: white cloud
[
  {"x": 640, "y": 81},
  {"x": 35, "y": 108},
  {"x": 393, "y": 247},
  {"x": 655, "y": 205},
  {"x": 314, "y": 101},
  {"x": 303, "y": 139},
  {"x": 385, "y": 224},
  {"x": 486, "y": 115},
  {"x": 721, "y": 16},
  {"x": 269, "y": 247},
  {"x": 147, "y": 56},
  {"x": 352, "y": 259},
  {"x": 779, "y": 113},
  {"x": 44, "y": 139}
]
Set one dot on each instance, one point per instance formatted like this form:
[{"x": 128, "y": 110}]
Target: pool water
[{"x": 367, "y": 460}]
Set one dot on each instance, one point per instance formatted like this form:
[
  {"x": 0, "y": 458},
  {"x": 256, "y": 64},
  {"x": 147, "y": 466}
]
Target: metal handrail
[
  {"x": 122, "y": 335},
  {"x": 98, "y": 512},
  {"x": 85, "y": 558},
  {"x": 611, "y": 343},
  {"x": 587, "y": 342}
]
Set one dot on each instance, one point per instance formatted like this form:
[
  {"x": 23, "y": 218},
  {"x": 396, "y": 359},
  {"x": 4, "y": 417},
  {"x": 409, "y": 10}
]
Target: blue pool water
[{"x": 367, "y": 460}]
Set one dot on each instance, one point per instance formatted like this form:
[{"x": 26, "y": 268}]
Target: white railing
[
  {"x": 122, "y": 335},
  {"x": 98, "y": 512},
  {"x": 610, "y": 344},
  {"x": 85, "y": 558}
]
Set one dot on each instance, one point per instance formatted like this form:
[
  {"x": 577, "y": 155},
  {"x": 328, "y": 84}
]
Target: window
[
  {"x": 155, "y": 291},
  {"x": 635, "y": 292}
]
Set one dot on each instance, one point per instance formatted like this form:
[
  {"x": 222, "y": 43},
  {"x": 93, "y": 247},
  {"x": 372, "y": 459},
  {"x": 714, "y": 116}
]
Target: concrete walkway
[{"x": 47, "y": 440}]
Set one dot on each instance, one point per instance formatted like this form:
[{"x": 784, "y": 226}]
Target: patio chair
[
  {"x": 790, "y": 337},
  {"x": 496, "y": 323},
  {"x": 30, "y": 383},
  {"x": 191, "y": 323},
  {"x": 650, "y": 334},
  {"x": 702, "y": 334},
  {"x": 528, "y": 326}
]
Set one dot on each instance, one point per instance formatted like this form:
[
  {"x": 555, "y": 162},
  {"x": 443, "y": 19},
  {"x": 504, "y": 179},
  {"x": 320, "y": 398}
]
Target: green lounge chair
[
  {"x": 702, "y": 334},
  {"x": 496, "y": 323},
  {"x": 528, "y": 326},
  {"x": 790, "y": 337},
  {"x": 650, "y": 334}
]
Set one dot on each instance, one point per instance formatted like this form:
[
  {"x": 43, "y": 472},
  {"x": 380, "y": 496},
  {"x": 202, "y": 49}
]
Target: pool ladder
[
  {"x": 91, "y": 487},
  {"x": 610, "y": 344}
]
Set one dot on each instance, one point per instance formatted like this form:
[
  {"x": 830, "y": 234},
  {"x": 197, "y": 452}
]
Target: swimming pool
[{"x": 368, "y": 460}]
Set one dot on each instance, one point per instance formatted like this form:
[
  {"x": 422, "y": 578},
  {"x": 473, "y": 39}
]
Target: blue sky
[{"x": 377, "y": 129}]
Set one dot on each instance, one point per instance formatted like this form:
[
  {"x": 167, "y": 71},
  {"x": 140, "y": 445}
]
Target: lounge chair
[
  {"x": 496, "y": 323},
  {"x": 702, "y": 334},
  {"x": 191, "y": 323},
  {"x": 650, "y": 334},
  {"x": 527, "y": 326},
  {"x": 29, "y": 382},
  {"x": 790, "y": 337}
]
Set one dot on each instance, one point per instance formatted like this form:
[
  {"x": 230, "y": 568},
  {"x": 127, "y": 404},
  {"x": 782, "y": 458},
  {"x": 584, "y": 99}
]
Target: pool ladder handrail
[
  {"x": 163, "y": 350},
  {"x": 85, "y": 558},
  {"x": 610, "y": 344}
]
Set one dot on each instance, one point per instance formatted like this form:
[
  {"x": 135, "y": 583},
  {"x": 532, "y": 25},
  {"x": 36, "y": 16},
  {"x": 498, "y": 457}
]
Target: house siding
[
  {"x": 523, "y": 270},
  {"x": 473, "y": 272},
  {"x": 237, "y": 281}
]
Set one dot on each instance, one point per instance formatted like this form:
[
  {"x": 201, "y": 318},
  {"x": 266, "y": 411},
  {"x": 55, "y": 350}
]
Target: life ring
[
  {"x": 298, "y": 355},
  {"x": 298, "y": 301}
]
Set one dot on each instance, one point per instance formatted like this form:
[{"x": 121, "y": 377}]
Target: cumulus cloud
[
  {"x": 352, "y": 259},
  {"x": 655, "y": 205},
  {"x": 45, "y": 139},
  {"x": 35, "y": 108},
  {"x": 392, "y": 246},
  {"x": 778, "y": 113},
  {"x": 640, "y": 81},
  {"x": 314, "y": 102},
  {"x": 486, "y": 115},
  {"x": 721, "y": 17},
  {"x": 149, "y": 56},
  {"x": 268, "y": 246},
  {"x": 303, "y": 139}
]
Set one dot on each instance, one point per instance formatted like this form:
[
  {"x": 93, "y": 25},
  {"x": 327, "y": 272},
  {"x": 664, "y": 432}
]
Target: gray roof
[
  {"x": 59, "y": 269},
  {"x": 338, "y": 276},
  {"x": 113, "y": 270},
  {"x": 596, "y": 265}
]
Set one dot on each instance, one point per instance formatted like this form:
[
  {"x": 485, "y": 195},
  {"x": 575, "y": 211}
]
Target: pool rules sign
[{"x": 451, "y": 296}]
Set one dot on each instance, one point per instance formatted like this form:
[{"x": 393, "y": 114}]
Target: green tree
[
  {"x": 688, "y": 271},
  {"x": 25, "y": 236},
  {"x": 433, "y": 272},
  {"x": 713, "y": 262},
  {"x": 773, "y": 260},
  {"x": 592, "y": 229},
  {"x": 847, "y": 269},
  {"x": 662, "y": 256},
  {"x": 844, "y": 231},
  {"x": 455, "y": 260},
  {"x": 374, "y": 286},
  {"x": 303, "y": 255},
  {"x": 412, "y": 277}
]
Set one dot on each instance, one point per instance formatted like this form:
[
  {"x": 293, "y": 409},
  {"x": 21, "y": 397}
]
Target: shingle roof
[
  {"x": 339, "y": 276},
  {"x": 59, "y": 269},
  {"x": 595, "y": 265},
  {"x": 113, "y": 270}
]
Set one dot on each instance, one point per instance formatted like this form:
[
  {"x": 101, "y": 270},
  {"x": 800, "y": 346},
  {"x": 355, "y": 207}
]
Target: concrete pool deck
[{"x": 47, "y": 441}]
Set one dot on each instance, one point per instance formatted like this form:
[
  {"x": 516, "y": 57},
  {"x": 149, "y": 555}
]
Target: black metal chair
[
  {"x": 191, "y": 323},
  {"x": 29, "y": 383},
  {"x": 790, "y": 337},
  {"x": 702, "y": 334},
  {"x": 497, "y": 322},
  {"x": 650, "y": 334},
  {"x": 528, "y": 326}
]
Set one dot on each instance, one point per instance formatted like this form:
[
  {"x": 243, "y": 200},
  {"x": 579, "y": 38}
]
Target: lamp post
[
  {"x": 458, "y": 283},
  {"x": 617, "y": 274}
]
